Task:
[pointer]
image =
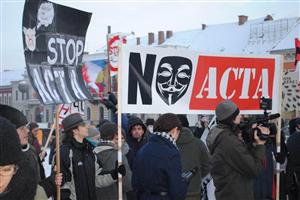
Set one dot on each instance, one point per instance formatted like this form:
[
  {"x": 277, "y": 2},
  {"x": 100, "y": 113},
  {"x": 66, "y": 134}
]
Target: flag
[
  {"x": 297, "y": 55},
  {"x": 114, "y": 40},
  {"x": 95, "y": 76}
]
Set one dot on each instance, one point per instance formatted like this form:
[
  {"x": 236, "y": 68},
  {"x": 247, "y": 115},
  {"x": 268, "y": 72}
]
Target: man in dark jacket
[
  {"x": 234, "y": 166},
  {"x": 156, "y": 173},
  {"x": 137, "y": 137},
  {"x": 82, "y": 172},
  {"x": 293, "y": 146},
  {"x": 193, "y": 153},
  {"x": 19, "y": 120}
]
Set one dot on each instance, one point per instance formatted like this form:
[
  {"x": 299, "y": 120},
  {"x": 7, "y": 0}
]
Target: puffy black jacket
[{"x": 234, "y": 166}]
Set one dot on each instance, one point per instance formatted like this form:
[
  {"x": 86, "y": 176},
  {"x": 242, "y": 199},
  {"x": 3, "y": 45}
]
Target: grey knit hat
[{"x": 225, "y": 109}]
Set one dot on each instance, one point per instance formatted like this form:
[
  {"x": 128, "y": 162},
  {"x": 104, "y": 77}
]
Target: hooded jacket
[
  {"x": 234, "y": 166},
  {"x": 108, "y": 155},
  {"x": 193, "y": 153},
  {"x": 133, "y": 143}
]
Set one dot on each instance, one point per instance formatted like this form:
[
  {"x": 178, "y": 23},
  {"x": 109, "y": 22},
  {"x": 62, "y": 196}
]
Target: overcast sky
[{"x": 140, "y": 17}]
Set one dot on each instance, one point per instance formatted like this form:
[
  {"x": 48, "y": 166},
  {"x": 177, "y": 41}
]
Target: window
[
  {"x": 23, "y": 95},
  {"x": 16, "y": 95},
  {"x": 88, "y": 113}
]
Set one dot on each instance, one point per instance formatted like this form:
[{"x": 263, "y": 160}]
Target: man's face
[
  {"x": 173, "y": 78},
  {"x": 237, "y": 119},
  {"x": 23, "y": 134},
  {"x": 82, "y": 131},
  {"x": 6, "y": 174},
  {"x": 137, "y": 131}
]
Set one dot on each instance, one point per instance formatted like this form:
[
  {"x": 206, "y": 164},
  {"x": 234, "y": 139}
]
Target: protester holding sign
[
  {"x": 157, "y": 167},
  {"x": 234, "y": 166},
  {"x": 81, "y": 169},
  {"x": 16, "y": 173}
]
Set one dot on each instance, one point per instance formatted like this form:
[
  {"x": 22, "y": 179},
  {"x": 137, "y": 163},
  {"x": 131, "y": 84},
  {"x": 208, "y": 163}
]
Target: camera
[{"x": 248, "y": 130}]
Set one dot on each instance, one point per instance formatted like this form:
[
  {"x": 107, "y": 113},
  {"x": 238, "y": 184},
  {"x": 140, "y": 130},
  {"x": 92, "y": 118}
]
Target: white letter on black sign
[
  {"x": 40, "y": 87},
  {"x": 53, "y": 50},
  {"x": 51, "y": 87}
]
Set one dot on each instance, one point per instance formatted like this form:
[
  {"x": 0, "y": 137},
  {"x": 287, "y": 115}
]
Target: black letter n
[{"x": 136, "y": 77}]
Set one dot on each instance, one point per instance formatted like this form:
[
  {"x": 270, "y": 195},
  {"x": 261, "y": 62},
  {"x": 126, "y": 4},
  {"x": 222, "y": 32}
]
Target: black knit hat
[
  {"x": 10, "y": 147},
  {"x": 13, "y": 115},
  {"x": 108, "y": 130}
]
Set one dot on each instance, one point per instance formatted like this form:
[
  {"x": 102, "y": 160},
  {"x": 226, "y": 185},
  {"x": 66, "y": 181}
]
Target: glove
[
  {"x": 118, "y": 169},
  {"x": 188, "y": 175}
]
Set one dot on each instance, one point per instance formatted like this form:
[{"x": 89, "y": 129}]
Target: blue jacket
[{"x": 156, "y": 169}]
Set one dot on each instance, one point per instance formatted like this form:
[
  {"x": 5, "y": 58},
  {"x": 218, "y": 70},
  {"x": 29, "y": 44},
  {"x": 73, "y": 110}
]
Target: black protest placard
[{"x": 53, "y": 41}]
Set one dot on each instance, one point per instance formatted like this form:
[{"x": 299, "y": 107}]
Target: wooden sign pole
[{"x": 58, "y": 194}]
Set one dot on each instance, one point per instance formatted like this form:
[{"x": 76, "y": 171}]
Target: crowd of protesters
[{"x": 161, "y": 159}]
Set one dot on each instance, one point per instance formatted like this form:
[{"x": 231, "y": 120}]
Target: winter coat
[
  {"x": 80, "y": 170},
  {"x": 293, "y": 144},
  {"x": 157, "y": 169},
  {"x": 193, "y": 153},
  {"x": 263, "y": 184},
  {"x": 234, "y": 166},
  {"x": 24, "y": 186},
  {"x": 133, "y": 143},
  {"x": 108, "y": 156},
  {"x": 31, "y": 156}
]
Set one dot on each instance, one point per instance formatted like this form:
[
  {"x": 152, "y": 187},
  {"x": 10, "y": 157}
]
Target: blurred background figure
[{"x": 193, "y": 153}]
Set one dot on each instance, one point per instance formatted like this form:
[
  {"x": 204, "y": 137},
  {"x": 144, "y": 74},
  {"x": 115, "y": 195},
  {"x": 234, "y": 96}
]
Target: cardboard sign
[{"x": 160, "y": 80}]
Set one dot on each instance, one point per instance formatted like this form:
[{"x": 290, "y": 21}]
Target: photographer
[{"x": 234, "y": 165}]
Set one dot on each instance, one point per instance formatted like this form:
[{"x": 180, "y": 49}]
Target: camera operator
[{"x": 234, "y": 164}]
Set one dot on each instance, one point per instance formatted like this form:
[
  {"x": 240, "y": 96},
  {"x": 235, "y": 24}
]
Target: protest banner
[
  {"x": 160, "y": 80},
  {"x": 53, "y": 40}
]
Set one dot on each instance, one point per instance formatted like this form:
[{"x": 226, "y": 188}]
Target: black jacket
[
  {"x": 193, "y": 153},
  {"x": 234, "y": 166},
  {"x": 77, "y": 165},
  {"x": 134, "y": 144},
  {"x": 293, "y": 145}
]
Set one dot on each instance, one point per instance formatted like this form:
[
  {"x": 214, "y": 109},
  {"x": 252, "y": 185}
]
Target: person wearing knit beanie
[
  {"x": 10, "y": 148},
  {"x": 226, "y": 112},
  {"x": 233, "y": 165}
]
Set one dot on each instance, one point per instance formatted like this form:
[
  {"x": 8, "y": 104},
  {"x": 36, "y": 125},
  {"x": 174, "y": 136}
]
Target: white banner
[{"x": 160, "y": 80}]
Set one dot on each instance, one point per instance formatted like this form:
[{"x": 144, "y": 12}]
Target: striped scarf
[{"x": 167, "y": 136}]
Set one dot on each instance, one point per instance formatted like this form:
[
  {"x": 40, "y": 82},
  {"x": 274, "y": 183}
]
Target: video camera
[{"x": 248, "y": 130}]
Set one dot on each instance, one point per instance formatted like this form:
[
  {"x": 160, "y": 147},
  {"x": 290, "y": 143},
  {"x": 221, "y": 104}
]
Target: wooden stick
[
  {"x": 119, "y": 128},
  {"x": 278, "y": 136},
  {"x": 57, "y": 149},
  {"x": 49, "y": 137}
]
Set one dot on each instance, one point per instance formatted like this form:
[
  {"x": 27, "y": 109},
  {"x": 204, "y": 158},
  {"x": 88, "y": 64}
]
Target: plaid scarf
[{"x": 167, "y": 136}]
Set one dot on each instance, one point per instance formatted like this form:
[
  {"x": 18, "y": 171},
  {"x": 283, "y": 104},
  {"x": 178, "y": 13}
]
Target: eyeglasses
[{"x": 8, "y": 170}]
